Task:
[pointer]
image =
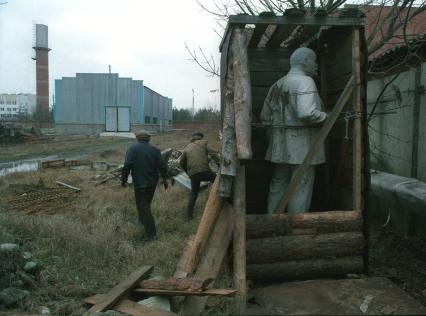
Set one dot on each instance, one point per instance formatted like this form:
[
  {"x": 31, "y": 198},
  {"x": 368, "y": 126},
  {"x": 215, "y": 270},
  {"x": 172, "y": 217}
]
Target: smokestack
[
  {"x": 42, "y": 71},
  {"x": 109, "y": 69}
]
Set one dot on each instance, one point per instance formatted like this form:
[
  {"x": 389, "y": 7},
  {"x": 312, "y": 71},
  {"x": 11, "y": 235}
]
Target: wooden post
[
  {"x": 239, "y": 241},
  {"x": 357, "y": 149},
  {"x": 301, "y": 170},
  {"x": 242, "y": 94},
  {"x": 212, "y": 259},
  {"x": 211, "y": 212},
  {"x": 228, "y": 165}
]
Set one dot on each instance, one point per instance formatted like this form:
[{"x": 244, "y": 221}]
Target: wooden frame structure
[{"x": 330, "y": 241}]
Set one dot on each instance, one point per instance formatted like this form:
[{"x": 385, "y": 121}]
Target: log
[
  {"x": 325, "y": 129},
  {"x": 177, "y": 284},
  {"x": 212, "y": 259},
  {"x": 120, "y": 290},
  {"x": 210, "y": 292},
  {"x": 242, "y": 94},
  {"x": 211, "y": 212},
  {"x": 262, "y": 226},
  {"x": 239, "y": 241},
  {"x": 305, "y": 269},
  {"x": 303, "y": 247},
  {"x": 129, "y": 307},
  {"x": 228, "y": 165}
]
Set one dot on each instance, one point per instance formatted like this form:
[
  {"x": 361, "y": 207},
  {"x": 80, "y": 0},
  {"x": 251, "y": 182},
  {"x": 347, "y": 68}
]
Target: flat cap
[
  {"x": 143, "y": 135},
  {"x": 197, "y": 135}
]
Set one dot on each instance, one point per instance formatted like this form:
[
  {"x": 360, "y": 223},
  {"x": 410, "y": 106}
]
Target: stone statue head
[{"x": 305, "y": 59}]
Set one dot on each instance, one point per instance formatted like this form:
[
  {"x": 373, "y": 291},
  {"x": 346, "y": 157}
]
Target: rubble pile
[{"x": 18, "y": 275}]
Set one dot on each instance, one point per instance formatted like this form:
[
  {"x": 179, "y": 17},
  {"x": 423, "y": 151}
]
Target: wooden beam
[
  {"x": 301, "y": 170},
  {"x": 238, "y": 20},
  {"x": 211, "y": 212},
  {"x": 180, "y": 271},
  {"x": 212, "y": 259},
  {"x": 209, "y": 292},
  {"x": 357, "y": 133},
  {"x": 311, "y": 223},
  {"x": 297, "y": 20},
  {"x": 118, "y": 291},
  {"x": 259, "y": 30},
  {"x": 239, "y": 241},
  {"x": 242, "y": 95},
  {"x": 129, "y": 307},
  {"x": 281, "y": 33}
]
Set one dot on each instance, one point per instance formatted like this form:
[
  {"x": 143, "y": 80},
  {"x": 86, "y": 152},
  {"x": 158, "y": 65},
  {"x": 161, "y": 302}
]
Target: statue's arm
[{"x": 309, "y": 103}]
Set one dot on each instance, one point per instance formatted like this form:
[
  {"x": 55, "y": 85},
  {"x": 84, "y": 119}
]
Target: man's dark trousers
[
  {"x": 195, "y": 188},
  {"x": 143, "y": 198}
]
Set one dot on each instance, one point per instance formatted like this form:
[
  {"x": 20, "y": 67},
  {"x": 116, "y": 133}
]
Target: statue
[{"x": 293, "y": 110}]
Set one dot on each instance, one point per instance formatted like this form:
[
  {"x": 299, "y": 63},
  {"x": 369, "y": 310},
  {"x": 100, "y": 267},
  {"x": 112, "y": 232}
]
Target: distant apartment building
[
  {"x": 92, "y": 103},
  {"x": 17, "y": 106}
]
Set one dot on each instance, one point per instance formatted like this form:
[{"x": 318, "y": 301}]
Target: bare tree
[{"x": 387, "y": 20}]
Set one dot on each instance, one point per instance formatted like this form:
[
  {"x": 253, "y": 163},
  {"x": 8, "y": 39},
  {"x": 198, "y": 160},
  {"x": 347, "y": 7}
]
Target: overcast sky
[{"x": 141, "y": 39}]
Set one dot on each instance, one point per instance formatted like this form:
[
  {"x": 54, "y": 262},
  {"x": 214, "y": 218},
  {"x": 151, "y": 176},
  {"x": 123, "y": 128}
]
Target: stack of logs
[{"x": 304, "y": 246}]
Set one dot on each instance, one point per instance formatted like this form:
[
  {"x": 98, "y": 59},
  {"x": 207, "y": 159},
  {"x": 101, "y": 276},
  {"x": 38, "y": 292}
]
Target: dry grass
[{"x": 90, "y": 247}]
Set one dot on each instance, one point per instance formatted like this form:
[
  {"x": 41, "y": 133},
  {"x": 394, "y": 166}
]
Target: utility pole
[
  {"x": 215, "y": 97},
  {"x": 193, "y": 107}
]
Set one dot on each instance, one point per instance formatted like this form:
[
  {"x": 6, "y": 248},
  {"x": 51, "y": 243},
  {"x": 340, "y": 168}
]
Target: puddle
[
  {"x": 21, "y": 165},
  {"x": 18, "y": 166}
]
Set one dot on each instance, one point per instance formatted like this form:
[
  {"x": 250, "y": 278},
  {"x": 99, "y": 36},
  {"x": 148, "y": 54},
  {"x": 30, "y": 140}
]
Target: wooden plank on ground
[
  {"x": 121, "y": 289},
  {"x": 212, "y": 259},
  {"x": 177, "y": 284},
  {"x": 301, "y": 170},
  {"x": 130, "y": 307},
  {"x": 209, "y": 292},
  {"x": 68, "y": 186}
]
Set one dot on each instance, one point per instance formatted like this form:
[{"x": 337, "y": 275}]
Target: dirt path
[{"x": 63, "y": 148}]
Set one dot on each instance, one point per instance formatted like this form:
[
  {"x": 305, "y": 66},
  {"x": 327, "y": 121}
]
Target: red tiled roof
[{"x": 374, "y": 15}]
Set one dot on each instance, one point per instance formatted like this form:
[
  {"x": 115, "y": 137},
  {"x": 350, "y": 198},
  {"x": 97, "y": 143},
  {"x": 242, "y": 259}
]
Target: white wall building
[{"x": 16, "y": 106}]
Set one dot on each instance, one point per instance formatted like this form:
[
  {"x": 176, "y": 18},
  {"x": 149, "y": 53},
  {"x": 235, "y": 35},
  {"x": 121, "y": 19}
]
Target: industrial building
[
  {"x": 92, "y": 103},
  {"x": 17, "y": 106}
]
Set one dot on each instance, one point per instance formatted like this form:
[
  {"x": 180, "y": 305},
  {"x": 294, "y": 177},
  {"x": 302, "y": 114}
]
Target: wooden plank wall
[
  {"x": 266, "y": 67},
  {"x": 336, "y": 66}
]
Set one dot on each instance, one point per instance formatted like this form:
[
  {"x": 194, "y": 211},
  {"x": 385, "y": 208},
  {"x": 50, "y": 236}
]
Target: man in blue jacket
[{"x": 145, "y": 163}]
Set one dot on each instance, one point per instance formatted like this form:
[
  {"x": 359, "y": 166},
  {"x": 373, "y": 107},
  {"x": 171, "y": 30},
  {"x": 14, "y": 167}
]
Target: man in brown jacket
[{"x": 195, "y": 162}]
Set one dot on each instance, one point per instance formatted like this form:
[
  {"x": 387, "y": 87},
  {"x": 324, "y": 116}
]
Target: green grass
[{"x": 89, "y": 248}]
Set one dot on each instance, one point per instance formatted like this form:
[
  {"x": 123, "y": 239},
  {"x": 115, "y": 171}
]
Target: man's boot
[{"x": 190, "y": 209}]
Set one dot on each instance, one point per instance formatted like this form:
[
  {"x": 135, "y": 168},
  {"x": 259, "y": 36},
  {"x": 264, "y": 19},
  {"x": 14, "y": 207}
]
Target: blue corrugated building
[{"x": 92, "y": 103}]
